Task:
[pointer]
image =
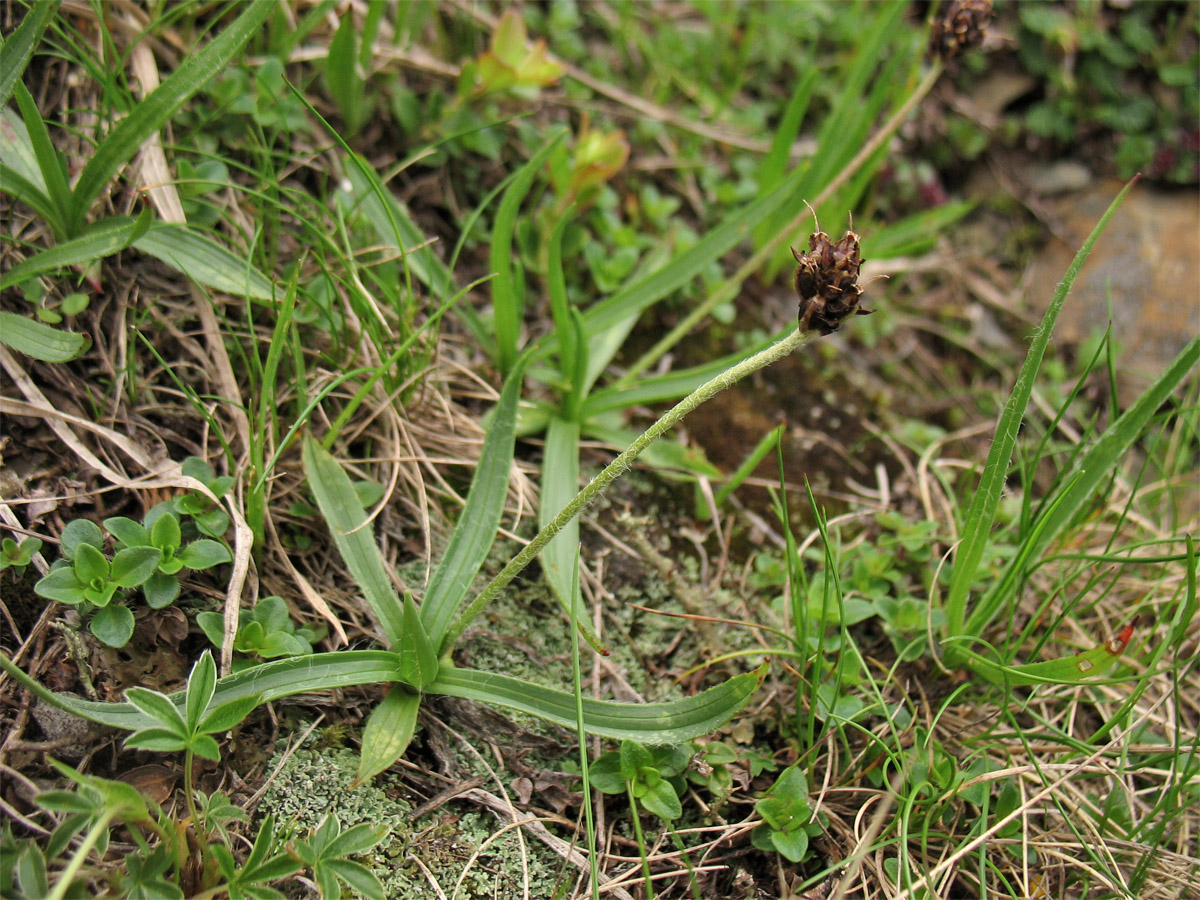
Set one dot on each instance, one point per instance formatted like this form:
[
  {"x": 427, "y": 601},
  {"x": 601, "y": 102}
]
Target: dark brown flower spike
[
  {"x": 826, "y": 282},
  {"x": 962, "y": 26}
]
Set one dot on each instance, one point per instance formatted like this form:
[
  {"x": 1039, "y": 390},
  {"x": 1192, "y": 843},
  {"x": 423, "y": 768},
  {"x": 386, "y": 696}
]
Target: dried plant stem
[{"x": 618, "y": 466}]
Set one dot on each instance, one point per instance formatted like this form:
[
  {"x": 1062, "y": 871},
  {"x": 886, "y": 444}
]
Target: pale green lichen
[{"x": 314, "y": 783}]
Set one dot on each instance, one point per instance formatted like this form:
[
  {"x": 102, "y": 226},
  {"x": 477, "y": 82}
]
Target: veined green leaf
[
  {"x": 647, "y": 723},
  {"x": 355, "y": 538},
  {"x": 126, "y": 139},
  {"x": 39, "y": 340},
  {"x": 1064, "y": 670},
  {"x": 418, "y": 656},
  {"x": 104, "y": 238},
  {"x": 204, "y": 261},
  {"x": 480, "y": 519},
  {"x": 560, "y": 483},
  {"x": 388, "y": 732},
  {"x": 17, "y": 50},
  {"x": 272, "y": 680}
]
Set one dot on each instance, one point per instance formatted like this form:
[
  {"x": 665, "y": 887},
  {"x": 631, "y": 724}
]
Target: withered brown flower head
[
  {"x": 961, "y": 27},
  {"x": 826, "y": 282}
]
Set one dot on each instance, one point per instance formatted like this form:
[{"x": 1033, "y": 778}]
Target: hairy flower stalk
[{"x": 834, "y": 273}]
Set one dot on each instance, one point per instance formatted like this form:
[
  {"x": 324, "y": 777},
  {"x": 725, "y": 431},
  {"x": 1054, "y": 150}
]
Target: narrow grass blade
[
  {"x": 126, "y": 139},
  {"x": 480, "y": 519},
  {"x": 355, "y": 538},
  {"x": 982, "y": 512},
  {"x": 1094, "y": 469},
  {"x": 16, "y": 52},
  {"x": 392, "y": 222},
  {"x": 205, "y": 261},
  {"x": 272, "y": 680},
  {"x": 388, "y": 732},
  {"x": 647, "y": 723},
  {"x": 39, "y": 340},
  {"x": 507, "y": 304}
]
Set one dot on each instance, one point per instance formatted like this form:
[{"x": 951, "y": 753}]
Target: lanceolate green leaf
[
  {"x": 271, "y": 680},
  {"x": 204, "y": 261},
  {"x": 506, "y": 302},
  {"x": 418, "y": 656},
  {"x": 102, "y": 239},
  {"x": 124, "y": 141},
  {"x": 480, "y": 519},
  {"x": 39, "y": 340},
  {"x": 647, "y": 723},
  {"x": 17, "y": 50},
  {"x": 982, "y": 511},
  {"x": 355, "y": 538},
  {"x": 389, "y": 731}
]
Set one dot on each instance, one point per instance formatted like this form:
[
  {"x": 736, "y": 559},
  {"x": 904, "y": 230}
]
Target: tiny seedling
[
  {"x": 325, "y": 850},
  {"x": 789, "y": 821},
  {"x": 18, "y": 556},
  {"x": 266, "y": 631}
]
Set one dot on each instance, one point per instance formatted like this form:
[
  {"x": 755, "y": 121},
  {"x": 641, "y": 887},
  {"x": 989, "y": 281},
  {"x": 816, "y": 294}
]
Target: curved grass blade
[
  {"x": 1095, "y": 467},
  {"x": 124, "y": 141},
  {"x": 982, "y": 512},
  {"x": 480, "y": 519},
  {"x": 271, "y": 680},
  {"x": 355, "y": 538},
  {"x": 647, "y": 723}
]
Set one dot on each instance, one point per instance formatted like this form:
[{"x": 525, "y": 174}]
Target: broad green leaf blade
[
  {"x": 201, "y": 685},
  {"x": 227, "y": 715},
  {"x": 102, "y": 239},
  {"x": 160, "y": 708},
  {"x": 647, "y": 723},
  {"x": 560, "y": 483},
  {"x": 389, "y": 730},
  {"x": 17, "y": 156},
  {"x": 39, "y": 340},
  {"x": 126, "y": 139},
  {"x": 480, "y": 519},
  {"x": 982, "y": 512},
  {"x": 16, "y": 52},
  {"x": 50, "y": 163},
  {"x": 355, "y": 538},
  {"x": 418, "y": 656},
  {"x": 1089, "y": 473},
  {"x": 1064, "y": 670},
  {"x": 272, "y": 680},
  {"x": 205, "y": 261}
]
